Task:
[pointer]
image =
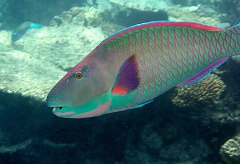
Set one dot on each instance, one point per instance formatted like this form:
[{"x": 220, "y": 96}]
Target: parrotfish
[
  {"x": 135, "y": 65},
  {"x": 22, "y": 29}
]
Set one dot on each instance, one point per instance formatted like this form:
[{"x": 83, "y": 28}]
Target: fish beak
[
  {"x": 94, "y": 107},
  {"x": 57, "y": 108},
  {"x": 82, "y": 111}
]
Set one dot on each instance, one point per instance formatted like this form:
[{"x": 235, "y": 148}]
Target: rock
[
  {"x": 151, "y": 138},
  {"x": 230, "y": 150}
]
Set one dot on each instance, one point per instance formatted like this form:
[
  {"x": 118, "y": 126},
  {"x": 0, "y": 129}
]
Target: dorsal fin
[{"x": 195, "y": 25}]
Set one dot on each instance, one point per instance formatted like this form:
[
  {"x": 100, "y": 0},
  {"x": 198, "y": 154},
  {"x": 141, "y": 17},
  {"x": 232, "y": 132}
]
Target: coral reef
[
  {"x": 199, "y": 13},
  {"x": 16, "y": 12},
  {"x": 58, "y": 48},
  {"x": 160, "y": 133},
  {"x": 167, "y": 142},
  {"x": 230, "y": 7},
  {"x": 77, "y": 37},
  {"x": 205, "y": 92},
  {"x": 227, "y": 117},
  {"x": 87, "y": 16},
  {"x": 110, "y": 28},
  {"x": 27, "y": 67},
  {"x": 182, "y": 2},
  {"x": 190, "y": 11},
  {"x": 24, "y": 70},
  {"x": 230, "y": 150},
  {"x": 151, "y": 139},
  {"x": 142, "y": 5}
]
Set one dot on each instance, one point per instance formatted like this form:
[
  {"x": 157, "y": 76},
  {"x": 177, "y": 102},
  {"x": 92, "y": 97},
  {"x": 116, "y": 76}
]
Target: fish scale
[
  {"x": 170, "y": 56},
  {"x": 133, "y": 66}
]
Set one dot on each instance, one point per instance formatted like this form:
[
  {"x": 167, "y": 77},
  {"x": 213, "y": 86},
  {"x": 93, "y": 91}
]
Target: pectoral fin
[{"x": 128, "y": 77}]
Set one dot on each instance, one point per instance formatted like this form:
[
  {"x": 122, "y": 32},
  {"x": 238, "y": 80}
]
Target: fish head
[{"x": 83, "y": 91}]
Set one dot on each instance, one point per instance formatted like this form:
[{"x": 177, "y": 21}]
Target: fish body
[
  {"x": 22, "y": 29},
  {"x": 135, "y": 65}
]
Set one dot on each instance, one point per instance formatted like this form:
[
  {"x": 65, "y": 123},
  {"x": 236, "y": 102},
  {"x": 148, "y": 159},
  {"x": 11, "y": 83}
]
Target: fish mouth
[{"x": 82, "y": 111}]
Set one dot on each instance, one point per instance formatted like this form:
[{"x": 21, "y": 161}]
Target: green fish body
[{"x": 135, "y": 65}]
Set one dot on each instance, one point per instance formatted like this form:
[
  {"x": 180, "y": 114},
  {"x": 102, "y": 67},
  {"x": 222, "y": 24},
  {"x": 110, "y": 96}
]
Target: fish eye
[{"x": 78, "y": 75}]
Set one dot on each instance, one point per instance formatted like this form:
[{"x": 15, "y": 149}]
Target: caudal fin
[
  {"x": 236, "y": 30},
  {"x": 234, "y": 34}
]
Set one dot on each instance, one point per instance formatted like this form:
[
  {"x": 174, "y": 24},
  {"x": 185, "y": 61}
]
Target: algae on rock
[{"x": 230, "y": 150}]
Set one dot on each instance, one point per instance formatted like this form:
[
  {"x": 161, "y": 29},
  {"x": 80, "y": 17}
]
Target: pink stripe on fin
[
  {"x": 200, "y": 75},
  {"x": 195, "y": 25}
]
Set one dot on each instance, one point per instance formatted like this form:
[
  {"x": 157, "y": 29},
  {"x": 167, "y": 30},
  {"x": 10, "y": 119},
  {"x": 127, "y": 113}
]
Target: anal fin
[{"x": 200, "y": 75}]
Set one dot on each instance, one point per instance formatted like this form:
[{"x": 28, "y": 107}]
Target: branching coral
[{"x": 205, "y": 92}]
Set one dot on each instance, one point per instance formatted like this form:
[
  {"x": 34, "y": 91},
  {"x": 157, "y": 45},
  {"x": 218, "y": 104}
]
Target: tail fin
[
  {"x": 237, "y": 25},
  {"x": 235, "y": 38},
  {"x": 235, "y": 29}
]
